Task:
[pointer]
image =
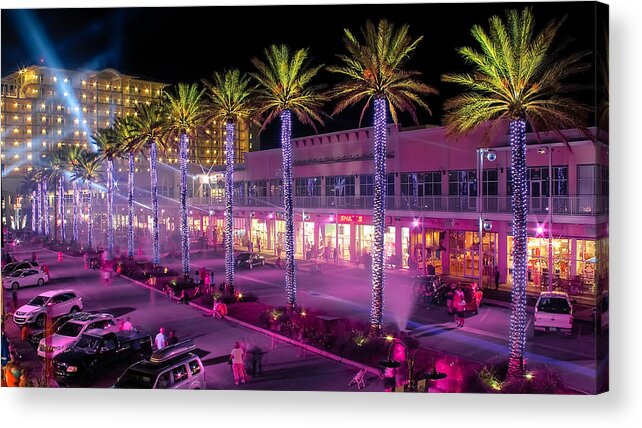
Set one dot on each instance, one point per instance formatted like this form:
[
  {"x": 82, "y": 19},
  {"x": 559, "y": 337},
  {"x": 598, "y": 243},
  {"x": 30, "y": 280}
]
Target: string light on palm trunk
[
  {"x": 75, "y": 204},
  {"x": 183, "y": 204},
  {"x": 110, "y": 209},
  {"x": 229, "y": 204},
  {"x": 61, "y": 208},
  {"x": 33, "y": 211},
  {"x": 45, "y": 207},
  {"x": 130, "y": 207},
  {"x": 39, "y": 202},
  {"x": 90, "y": 215},
  {"x": 520, "y": 211},
  {"x": 286, "y": 148},
  {"x": 153, "y": 175},
  {"x": 379, "y": 215}
]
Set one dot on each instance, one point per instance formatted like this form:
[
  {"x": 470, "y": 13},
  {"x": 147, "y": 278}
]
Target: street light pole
[
  {"x": 551, "y": 268},
  {"x": 480, "y": 209}
]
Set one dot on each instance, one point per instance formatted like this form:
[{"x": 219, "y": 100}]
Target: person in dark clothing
[
  {"x": 496, "y": 277},
  {"x": 172, "y": 339},
  {"x": 184, "y": 298},
  {"x": 256, "y": 361}
]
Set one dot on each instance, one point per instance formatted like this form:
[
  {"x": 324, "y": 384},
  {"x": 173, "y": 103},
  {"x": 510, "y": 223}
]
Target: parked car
[
  {"x": 14, "y": 266},
  {"x": 473, "y": 297},
  {"x": 51, "y": 304},
  {"x": 69, "y": 333},
  {"x": 249, "y": 260},
  {"x": 24, "y": 278},
  {"x": 173, "y": 367},
  {"x": 553, "y": 312},
  {"x": 97, "y": 350},
  {"x": 37, "y": 335}
]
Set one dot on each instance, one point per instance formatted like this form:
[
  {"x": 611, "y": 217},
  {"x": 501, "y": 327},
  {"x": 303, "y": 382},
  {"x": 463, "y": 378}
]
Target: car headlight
[
  {"x": 72, "y": 369},
  {"x": 20, "y": 313}
]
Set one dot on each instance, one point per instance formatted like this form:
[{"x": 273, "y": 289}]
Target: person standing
[
  {"x": 496, "y": 278},
  {"x": 127, "y": 325},
  {"x": 460, "y": 307},
  {"x": 160, "y": 339},
  {"x": 34, "y": 257},
  {"x": 449, "y": 298},
  {"x": 45, "y": 269},
  {"x": 197, "y": 277},
  {"x": 184, "y": 298},
  {"x": 172, "y": 339},
  {"x": 238, "y": 366},
  {"x": 455, "y": 305}
]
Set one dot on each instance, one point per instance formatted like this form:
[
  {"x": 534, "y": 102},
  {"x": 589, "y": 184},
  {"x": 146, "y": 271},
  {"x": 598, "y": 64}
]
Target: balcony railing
[{"x": 562, "y": 205}]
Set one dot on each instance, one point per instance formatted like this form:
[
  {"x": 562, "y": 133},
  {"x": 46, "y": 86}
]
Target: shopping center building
[{"x": 432, "y": 216}]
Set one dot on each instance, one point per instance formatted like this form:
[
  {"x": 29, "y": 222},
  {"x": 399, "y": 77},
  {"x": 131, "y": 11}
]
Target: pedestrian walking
[
  {"x": 172, "y": 339},
  {"x": 159, "y": 340},
  {"x": 238, "y": 366},
  {"x": 450, "y": 294},
  {"x": 461, "y": 307},
  {"x": 496, "y": 278},
  {"x": 45, "y": 269},
  {"x": 335, "y": 256},
  {"x": 455, "y": 305},
  {"x": 85, "y": 259},
  {"x": 210, "y": 281},
  {"x": 59, "y": 256},
  {"x": 184, "y": 298},
  {"x": 197, "y": 277}
]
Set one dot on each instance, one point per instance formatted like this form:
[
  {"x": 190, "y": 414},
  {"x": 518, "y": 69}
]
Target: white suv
[
  {"x": 553, "y": 311},
  {"x": 50, "y": 304},
  {"x": 70, "y": 332}
]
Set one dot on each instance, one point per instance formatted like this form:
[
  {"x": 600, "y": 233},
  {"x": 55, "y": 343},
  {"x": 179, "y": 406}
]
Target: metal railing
[{"x": 584, "y": 205}]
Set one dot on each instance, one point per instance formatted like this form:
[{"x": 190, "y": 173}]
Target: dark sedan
[{"x": 249, "y": 260}]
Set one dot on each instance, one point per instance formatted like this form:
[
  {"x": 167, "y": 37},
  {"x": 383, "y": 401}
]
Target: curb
[{"x": 274, "y": 335}]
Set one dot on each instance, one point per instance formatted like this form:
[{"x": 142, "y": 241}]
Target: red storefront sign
[{"x": 355, "y": 219}]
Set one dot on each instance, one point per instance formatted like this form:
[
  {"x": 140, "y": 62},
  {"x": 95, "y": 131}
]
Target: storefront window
[
  {"x": 433, "y": 244},
  {"x": 538, "y": 270},
  {"x": 259, "y": 235},
  {"x": 464, "y": 254}
]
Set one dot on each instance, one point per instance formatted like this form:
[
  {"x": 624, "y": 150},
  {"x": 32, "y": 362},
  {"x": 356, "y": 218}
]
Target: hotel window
[
  {"x": 341, "y": 185},
  {"x": 239, "y": 188},
  {"x": 587, "y": 180},
  {"x": 366, "y": 184},
  {"x": 462, "y": 183},
  {"x": 310, "y": 186},
  {"x": 537, "y": 178},
  {"x": 421, "y": 183},
  {"x": 275, "y": 187}
]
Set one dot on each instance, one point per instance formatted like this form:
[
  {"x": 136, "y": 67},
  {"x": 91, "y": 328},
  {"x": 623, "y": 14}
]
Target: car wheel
[
  {"x": 15, "y": 286},
  {"x": 41, "y": 282},
  {"x": 74, "y": 310},
  {"x": 40, "y": 321}
]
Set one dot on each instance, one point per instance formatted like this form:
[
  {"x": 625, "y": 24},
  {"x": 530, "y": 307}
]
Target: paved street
[
  {"x": 283, "y": 368},
  {"x": 343, "y": 290}
]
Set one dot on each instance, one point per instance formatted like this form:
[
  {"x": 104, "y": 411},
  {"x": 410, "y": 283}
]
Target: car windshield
[
  {"x": 9, "y": 267},
  {"x": 244, "y": 256},
  {"x": 88, "y": 343},
  {"x": 70, "y": 329},
  {"x": 16, "y": 273},
  {"x": 39, "y": 301},
  {"x": 554, "y": 306},
  {"x": 135, "y": 379}
]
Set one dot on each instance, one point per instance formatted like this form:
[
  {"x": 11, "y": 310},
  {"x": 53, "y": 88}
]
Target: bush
[{"x": 493, "y": 378}]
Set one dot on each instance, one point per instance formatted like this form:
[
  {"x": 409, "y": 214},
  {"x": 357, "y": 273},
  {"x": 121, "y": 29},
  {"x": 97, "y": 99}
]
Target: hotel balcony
[{"x": 584, "y": 205}]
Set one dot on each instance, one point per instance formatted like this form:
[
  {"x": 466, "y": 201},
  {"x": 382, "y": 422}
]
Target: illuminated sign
[{"x": 355, "y": 219}]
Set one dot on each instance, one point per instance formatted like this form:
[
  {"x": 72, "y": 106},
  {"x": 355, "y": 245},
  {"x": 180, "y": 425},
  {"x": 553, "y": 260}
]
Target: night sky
[{"x": 186, "y": 44}]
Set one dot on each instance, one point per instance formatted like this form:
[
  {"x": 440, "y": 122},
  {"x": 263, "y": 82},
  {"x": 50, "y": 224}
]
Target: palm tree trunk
[
  {"x": 74, "y": 220},
  {"x": 153, "y": 176},
  {"x": 61, "y": 207},
  {"x": 41, "y": 226},
  {"x": 55, "y": 227},
  {"x": 110, "y": 209},
  {"x": 90, "y": 215},
  {"x": 379, "y": 216},
  {"x": 286, "y": 148},
  {"x": 183, "y": 205},
  {"x": 520, "y": 211},
  {"x": 45, "y": 207},
  {"x": 229, "y": 205},
  {"x": 130, "y": 207},
  {"x": 34, "y": 219}
]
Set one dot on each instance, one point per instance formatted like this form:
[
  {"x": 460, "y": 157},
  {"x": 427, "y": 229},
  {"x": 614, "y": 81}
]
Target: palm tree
[
  {"x": 147, "y": 130},
  {"x": 56, "y": 176},
  {"x": 72, "y": 156},
  {"x": 124, "y": 133},
  {"x": 184, "y": 119},
  {"x": 109, "y": 148},
  {"x": 284, "y": 88},
  {"x": 519, "y": 78},
  {"x": 230, "y": 102},
  {"x": 375, "y": 73},
  {"x": 29, "y": 186},
  {"x": 88, "y": 171}
]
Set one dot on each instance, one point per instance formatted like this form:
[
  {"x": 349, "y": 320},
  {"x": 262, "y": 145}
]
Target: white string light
[
  {"x": 130, "y": 206},
  {"x": 153, "y": 176},
  {"x": 183, "y": 203},
  {"x": 286, "y": 148},
  {"x": 229, "y": 205}
]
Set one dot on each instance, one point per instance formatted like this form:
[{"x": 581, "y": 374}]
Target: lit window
[
  {"x": 66, "y": 94},
  {"x": 76, "y": 121},
  {"x": 28, "y": 118},
  {"x": 66, "y": 80},
  {"x": 60, "y": 132},
  {"x": 84, "y": 82},
  {"x": 28, "y": 157},
  {"x": 55, "y": 79},
  {"x": 43, "y": 106}
]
